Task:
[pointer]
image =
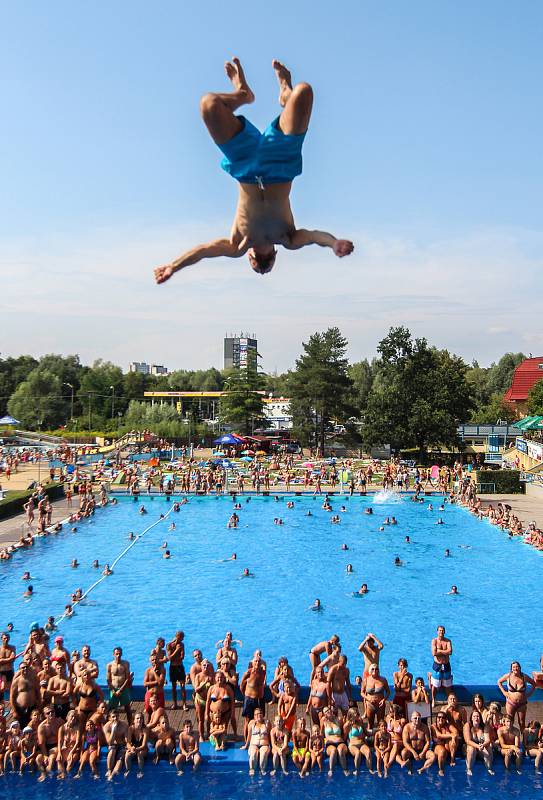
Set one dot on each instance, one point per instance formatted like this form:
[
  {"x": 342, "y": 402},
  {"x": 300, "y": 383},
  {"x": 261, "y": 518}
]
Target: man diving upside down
[{"x": 265, "y": 165}]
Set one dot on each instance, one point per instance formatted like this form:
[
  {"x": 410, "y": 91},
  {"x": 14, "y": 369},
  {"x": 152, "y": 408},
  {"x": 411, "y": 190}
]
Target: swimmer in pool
[
  {"x": 143, "y": 510},
  {"x": 454, "y": 590},
  {"x": 407, "y": 540},
  {"x": 26, "y": 576},
  {"x": 344, "y": 546},
  {"x": 264, "y": 164},
  {"x": 166, "y": 554},
  {"x": 349, "y": 568},
  {"x": 164, "y": 545},
  {"x": 382, "y": 528},
  {"x": 29, "y": 591},
  {"x": 107, "y": 570},
  {"x": 75, "y": 563},
  {"x": 96, "y": 564},
  {"x": 368, "y": 511},
  {"x": 343, "y": 509},
  {"x": 131, "y": 536},
  {"x": 430, "y": 507},
  {"x": 447, "y": 553},
  {"x": 393, "y": 521},
  {"x": 309, "y": 514},
  {"x": 247, "y": 574},
  {"x": 363, "y": 590},
  {"x": 316, "y": 606},
  {"x": 440, "y": 522},
  {"x": 172, "y": 526},
  {"x": 398, "y": 562}
]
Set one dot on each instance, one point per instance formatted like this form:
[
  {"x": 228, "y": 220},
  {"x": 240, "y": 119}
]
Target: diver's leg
[
  {"x": 297, "y": 102},
  {"x": 218, "y": 108}
]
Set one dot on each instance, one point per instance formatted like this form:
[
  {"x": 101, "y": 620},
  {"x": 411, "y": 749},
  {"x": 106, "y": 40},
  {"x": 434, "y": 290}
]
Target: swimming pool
[
  {"x": 224, "y": 784},
  {"x": 493, "y": 620}
]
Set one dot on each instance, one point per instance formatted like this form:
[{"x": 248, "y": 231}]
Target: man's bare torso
[{"x": 263, "y": 216}]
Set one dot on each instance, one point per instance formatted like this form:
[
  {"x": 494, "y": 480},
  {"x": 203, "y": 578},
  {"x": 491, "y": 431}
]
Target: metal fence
[{"x": 486, "y": 488}]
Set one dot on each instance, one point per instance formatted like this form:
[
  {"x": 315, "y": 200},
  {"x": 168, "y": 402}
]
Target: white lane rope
[{"x": 117, "y": 559}]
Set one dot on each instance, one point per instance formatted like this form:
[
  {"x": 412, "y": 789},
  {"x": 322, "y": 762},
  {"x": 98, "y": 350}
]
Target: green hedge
[
  {"x": 14, "y": 502},
  {"x": 506, "y": 480}
]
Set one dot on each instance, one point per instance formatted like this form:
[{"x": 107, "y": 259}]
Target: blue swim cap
[{"x": 35, "y": 626}]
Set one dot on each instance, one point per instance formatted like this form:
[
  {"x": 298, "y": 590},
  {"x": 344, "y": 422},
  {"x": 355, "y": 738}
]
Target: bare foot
[
  {"x": 235, "y": 72},
  {"x": 285, "y": 81}
]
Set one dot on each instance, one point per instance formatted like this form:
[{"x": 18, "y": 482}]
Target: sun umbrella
[
  {"x": 307, "y": 464},
  {"x": 261, "y": 453},
  {"x": 9, "y": 420},
  {"x": 247, "y": 452},
  {"x": 246, "y": 458},
  {"x": 219, "y": 453}
]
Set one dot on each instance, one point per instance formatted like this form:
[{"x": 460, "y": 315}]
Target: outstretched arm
[
  {"x": 302, "y": 238},
  {"x": 220, "y": 247}
]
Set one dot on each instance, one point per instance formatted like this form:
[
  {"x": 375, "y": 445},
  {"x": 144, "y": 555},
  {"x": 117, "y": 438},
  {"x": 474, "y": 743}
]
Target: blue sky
[{"x": 424, "y": 148}]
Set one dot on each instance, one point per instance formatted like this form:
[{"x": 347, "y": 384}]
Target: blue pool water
[
  {"x": 223, "y": 784},
  {"x": 494, "y": 620}
]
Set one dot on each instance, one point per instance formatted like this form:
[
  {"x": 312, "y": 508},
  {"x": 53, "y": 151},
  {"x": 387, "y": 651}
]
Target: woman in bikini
[
  {"x": 137, "y": 744},
  {"x": 396, "y": 722},
  {"x": 336, "y": 749},
  {"x": 375, "y": 691},
  {"x": 220, "y": 700},
  {"x": 90, "y": 752},
  {"x": 279, "y": 746},
  {"x": 533, "y": 742},
  {"x": 355, "y": 732},
  {"x": 478, "y": 742},
  {"x": 203, "y": 681},
  {"x": 403, "y": 681},
  {"x": 444, "y": 737},
  {"x": 383, "y": 749},
  {"x": 318, "y": 696},
  {"x": 301, "y": 755},
  {"x": 88, "y": 693},
  {"x": 257, "y": 742},
  {"x": 69, "y": 744},
  {"x": 516, "y": 687}
]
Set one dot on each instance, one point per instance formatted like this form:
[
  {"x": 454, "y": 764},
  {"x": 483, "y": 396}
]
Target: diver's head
[{"x": 263, "y": 259}]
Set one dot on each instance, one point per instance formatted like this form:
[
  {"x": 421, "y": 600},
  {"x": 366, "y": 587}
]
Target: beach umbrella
[
  {"x": 247, "y": 452},
  {"x": 308, "y": 464},
  {"x": 229, "y": 438},
  {"x": 219, "y": 453},
  {"x": 246, "y": 458},
  {"x": 261, "y": 453},
  {"x": 7, "y": 420}
]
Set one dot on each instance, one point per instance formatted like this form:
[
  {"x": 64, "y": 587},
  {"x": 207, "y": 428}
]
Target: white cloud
[{"x": 96, "y": 295}]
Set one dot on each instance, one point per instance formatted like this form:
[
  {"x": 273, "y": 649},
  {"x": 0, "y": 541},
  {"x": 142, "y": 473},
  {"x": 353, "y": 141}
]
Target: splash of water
[{"x": 386, "y": 496}]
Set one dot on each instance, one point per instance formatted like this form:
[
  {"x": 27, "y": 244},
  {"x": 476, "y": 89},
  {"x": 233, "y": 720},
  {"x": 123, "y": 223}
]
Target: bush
[
  {"x": 14, "y": 502},
  {"x": 506, "y": 480}
]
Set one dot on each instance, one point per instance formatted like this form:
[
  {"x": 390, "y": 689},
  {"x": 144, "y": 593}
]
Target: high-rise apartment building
[{"x": 240, "y": 352}]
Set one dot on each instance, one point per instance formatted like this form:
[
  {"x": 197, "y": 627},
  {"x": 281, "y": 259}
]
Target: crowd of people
[{"x": 57, "y": 717}]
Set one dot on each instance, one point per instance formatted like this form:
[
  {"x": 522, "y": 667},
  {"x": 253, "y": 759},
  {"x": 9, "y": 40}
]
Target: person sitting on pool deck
[
  {"x": 264, "y": 164},
  {"x": 416, "y": 743},
  {"x": 441, "y": 652}
]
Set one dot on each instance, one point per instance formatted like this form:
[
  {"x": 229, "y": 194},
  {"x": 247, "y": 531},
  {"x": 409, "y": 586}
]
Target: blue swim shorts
[
  {"x": 441, "y": 675},
  {"x": 269, "y": 157}
]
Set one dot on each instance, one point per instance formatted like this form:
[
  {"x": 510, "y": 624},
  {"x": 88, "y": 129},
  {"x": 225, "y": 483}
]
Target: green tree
[
  {"x": 419, "y": 395},
  {"x": 320, "y": 386},
  {"x": 242, "y": 405},
  {"x": 37, "y": 401},
  {"x": 535, "y": 399},
  {"x": 101, "y": 395},
  {"x": 361, "y": 375},
  {"x": 13, "y": 371},
  {"x": 497, "y": 408}
]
